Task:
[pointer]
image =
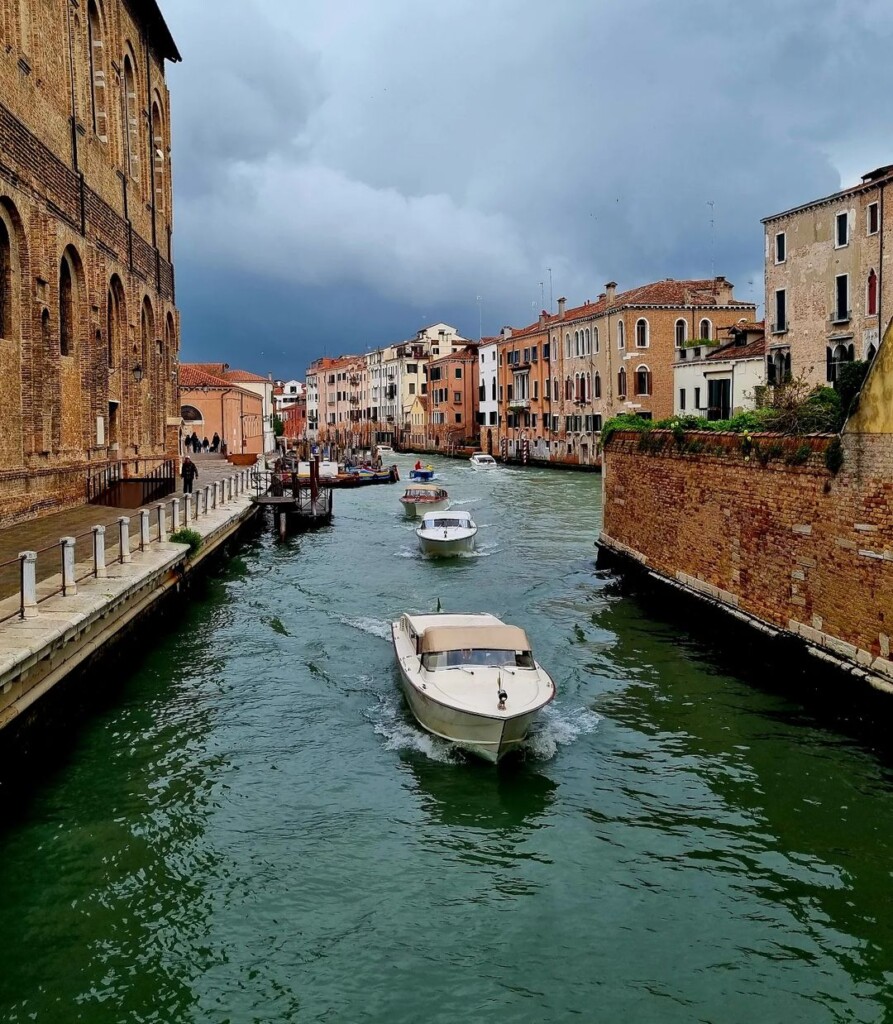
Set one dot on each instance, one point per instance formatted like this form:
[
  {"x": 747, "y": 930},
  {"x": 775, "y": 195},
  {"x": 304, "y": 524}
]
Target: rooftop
[{"x": 871, "y": 180}]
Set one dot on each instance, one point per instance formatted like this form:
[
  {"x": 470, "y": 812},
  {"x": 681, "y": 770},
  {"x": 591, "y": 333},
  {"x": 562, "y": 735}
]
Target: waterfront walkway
[{"x": 43, "y": 535}]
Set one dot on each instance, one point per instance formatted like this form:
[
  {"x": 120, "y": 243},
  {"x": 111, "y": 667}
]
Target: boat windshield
[
  {"x": 442, "y": 524},
  {"x": 435, "y": 660}
]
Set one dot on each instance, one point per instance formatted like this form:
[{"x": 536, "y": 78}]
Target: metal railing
[
  {"x": 60, "y": 567},
  {"x": 145, "y": 480}
]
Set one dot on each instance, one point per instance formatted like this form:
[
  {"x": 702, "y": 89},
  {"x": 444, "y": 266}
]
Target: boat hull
[
  {"x": 485, "y": 737},
  {"x": 417, "y": 509},
  {"x": 437, "y": 547}
]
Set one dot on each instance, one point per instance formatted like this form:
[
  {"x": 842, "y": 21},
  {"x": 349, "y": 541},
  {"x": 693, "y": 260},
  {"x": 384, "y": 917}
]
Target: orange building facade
[
  {"x": 211, "y": 404},
  {"x": 452, "y": 400}
]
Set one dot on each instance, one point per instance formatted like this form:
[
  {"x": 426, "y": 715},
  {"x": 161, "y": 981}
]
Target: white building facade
[{"x": 718, "y": 383}]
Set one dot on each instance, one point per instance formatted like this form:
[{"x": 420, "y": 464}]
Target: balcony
[
  {"x": 330, "y": 401},
  {"x": 841, "y": 316},
  {"x": 519, "y": 403},
  {"x": 354, "y": 400}
]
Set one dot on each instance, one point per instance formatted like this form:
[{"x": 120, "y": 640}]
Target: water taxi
[
  {"x": 480, "y": 460},
  {"x": 443, "y": 534},
  {"x": 421, "y": 498},
  {"x": 471, "y": 679}
]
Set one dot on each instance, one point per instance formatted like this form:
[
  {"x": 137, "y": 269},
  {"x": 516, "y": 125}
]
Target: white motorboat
[
  {"x": 480, "y": 460},
  {"x": 384, "y": 450},
  {"x": 446, "y": 533},
  {"x": 471, "y": 679},
  {"x": 419, "y": 499}
]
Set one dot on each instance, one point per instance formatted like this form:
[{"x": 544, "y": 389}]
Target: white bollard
[
  {"x": 175, "y": 514},
  {"x": 159, "y": 508},
  {"x": 124, "y": 539},
  {"x": 144, "y": 529},
  {"x": 99, "y": 567},
  {"x": 69, "y": 583},
  {"x": 28, "y": 561}
]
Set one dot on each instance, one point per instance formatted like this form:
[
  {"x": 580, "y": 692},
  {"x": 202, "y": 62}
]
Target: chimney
[
  {"x": 561, "y": 304},
  {"x": 543, "y": 315},
  {"x": 723, "y": 291},
  {"x": 610, "y": 292}
]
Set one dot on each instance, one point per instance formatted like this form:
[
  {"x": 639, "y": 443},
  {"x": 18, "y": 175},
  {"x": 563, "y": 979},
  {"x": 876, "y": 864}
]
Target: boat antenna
[{"x": 438, "y": 606}]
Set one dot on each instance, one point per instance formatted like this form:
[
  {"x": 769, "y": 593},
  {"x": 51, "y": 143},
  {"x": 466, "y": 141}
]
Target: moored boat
[
  {"x": 471, "y": 679},
  {"x": 480, "y": 460},
  {"x": 421, "y": 498},
  {"x": 443, "y": 534}
]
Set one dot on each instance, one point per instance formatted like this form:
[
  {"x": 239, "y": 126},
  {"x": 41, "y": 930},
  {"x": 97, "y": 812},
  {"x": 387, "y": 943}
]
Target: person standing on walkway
[
  {"x": 215, "y": 442},
  {"x": 189, "y": 472},
  {"x": 206, "y": 444}
]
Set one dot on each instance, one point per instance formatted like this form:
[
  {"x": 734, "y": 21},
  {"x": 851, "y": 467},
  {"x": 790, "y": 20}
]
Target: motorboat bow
[
  {"x": 442, "y": 534},
  {"x": 471, "y": 679},
  {"x": 480, "y": 460},
  {"x": 421, "y": 498}
]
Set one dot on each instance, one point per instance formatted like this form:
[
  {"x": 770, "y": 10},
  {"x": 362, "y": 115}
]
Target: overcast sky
[{"x": 346, "y": 172}]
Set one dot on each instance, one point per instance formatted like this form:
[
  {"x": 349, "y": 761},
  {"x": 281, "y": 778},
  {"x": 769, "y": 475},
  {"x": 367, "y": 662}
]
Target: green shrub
[
  {"x": 185, "y": 536},
  {"x": 834, "y": 456},
  {"x": 850, "y": 378},
  {"x": 799, "y": 456}
]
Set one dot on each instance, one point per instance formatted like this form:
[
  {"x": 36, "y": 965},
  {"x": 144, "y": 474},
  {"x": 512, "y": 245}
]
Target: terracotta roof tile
[
  {"x": 246, "y": 375},
  {"x": 194, "y": 375}
]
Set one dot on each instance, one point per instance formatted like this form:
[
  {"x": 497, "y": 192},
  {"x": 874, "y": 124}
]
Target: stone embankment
[
  {"x": 77, "y": 596},
  {"x": 793, "y": 535}
]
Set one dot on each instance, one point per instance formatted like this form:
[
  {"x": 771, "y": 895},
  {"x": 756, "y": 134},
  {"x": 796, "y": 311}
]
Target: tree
[{"x": 278, "y": 425}]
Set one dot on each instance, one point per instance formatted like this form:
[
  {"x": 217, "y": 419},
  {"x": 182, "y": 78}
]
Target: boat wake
[
  {"x": 374, "y": 627},
  {"x": 402, "y": 735},
  {"x": 558, "y": 727}
]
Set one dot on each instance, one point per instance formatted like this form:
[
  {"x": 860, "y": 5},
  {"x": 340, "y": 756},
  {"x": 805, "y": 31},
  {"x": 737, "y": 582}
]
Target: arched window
[
  {"x": 706, "y": 330},
  {"x": 597, "y": 383},
  {"x": 641, "y": 333},
  {"x": 568, "y": 390},
  {"x": 577, "y": 393},
  {"x": 621, "y": 336},
  {"x": 158, "y": 148},
  {"x": 114, "y": 320},
  {"x": 588, "y": 342},
  {"x": 7, "y": 282},
  {"x": 680, "y": 333},
  {"x": 567, "y": 344},
  {"x": 556, "y": 394},
  {"x": 643, "y": 380},
  {"x": 837, "y": 355},
  {"x": 872, "y": 352},
  {"x": 68, "y": 301},
  {"x": 587, "y": 391},
  {"x": 98, "y": 92},
  {"x": 595, "y": 338},
  {"x": 621, "y": 383},
  {"x": 576, "y": 343},
  {"x": 871, "y": 294},
  {"x": 131, "y": 121},
  {"x": 493, "y": 389},
  {"x": 147, "y": 330}
]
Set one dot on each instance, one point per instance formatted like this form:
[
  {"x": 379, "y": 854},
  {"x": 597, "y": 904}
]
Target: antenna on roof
[{"x": 550, "y": 288}]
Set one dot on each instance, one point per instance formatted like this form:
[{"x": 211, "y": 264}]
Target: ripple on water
[{"x": 366, "y": 624}]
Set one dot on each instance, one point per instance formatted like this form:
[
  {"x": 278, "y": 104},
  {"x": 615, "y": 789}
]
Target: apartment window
[
  {"x": 641, "y": 333},
  {"x": 509, "y": 392},
  {"x": 567, "y": 345},
  {"x": 500, "y": 359},
  {"x": 493, "y": 389},
  {"x": 842, "y": 230},
  {"x": 493, "y": 355},
  {"x": 597, "y": 384},
  {"x": 412, "y": 389},
  {"x": 780, "y": 247},
  {"x": 873, "y": 220},
  {"x": 458, "y": 373},
  {"x": 482, "y": 392},
  {"x": 621, "y": 337},
  {"x": 643, "y": 380},
  {"x": 545, "y": 352},
  {"x": 841, "y": 298},
  {"x": 621, "y": 383},
  {"x": 595, "y": 338},
  {"x": 697, "y": 398},
  {"x": 526, "y": 358},
  {"x": 835, "y": 357},
  {"x": 781, "y": 312},
  {"x": 500, "y": 392},
  {"x": 597, "y": 422},
  {"x": 682, "y": 398},
  {"x": 458, "y": 417},
  {"x": 493, "y": 419},
  {"x": 871, "y": 294},
  {"x": 706, "y": 330},
  {"x": 536, "y": 389},
  {"x": 547, "y": 390},
  {"x": 533, "y": 354},
  {"x": 680, "y": 333},
  {"x": 412, "y": 367}
]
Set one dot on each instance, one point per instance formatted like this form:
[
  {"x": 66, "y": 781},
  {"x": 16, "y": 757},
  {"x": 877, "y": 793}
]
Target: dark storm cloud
[{"x": 418, "y": 155}]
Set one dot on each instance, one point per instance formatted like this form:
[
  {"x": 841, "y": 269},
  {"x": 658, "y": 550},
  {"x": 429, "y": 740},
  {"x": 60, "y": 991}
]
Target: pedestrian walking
[
  {"x": 215, "y": 442},
  {"x": 206, "y": 444},
  {"x": 189, "y": 472}
]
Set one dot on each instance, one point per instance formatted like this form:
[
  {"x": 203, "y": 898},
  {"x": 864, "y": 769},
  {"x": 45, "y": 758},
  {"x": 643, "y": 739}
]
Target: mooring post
[
  {"x": 206, "y": 499},
  {"x": 99, "y": 568},
  {"x": 28, "y": 586},
  {"x": 144, "y": 529},
  {"x": 175, "y": 514},
  {"x": 69, "y": 583},
  {"x": 214, "y": 499},
  {"x": 282, "y": 524},
  {"x": 124, "y": 539},
  {"x": 160, "y": 510}
]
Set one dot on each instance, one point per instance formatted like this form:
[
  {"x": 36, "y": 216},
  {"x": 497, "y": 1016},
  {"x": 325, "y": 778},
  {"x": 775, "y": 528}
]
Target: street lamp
[{"x": 138, "y": 373}]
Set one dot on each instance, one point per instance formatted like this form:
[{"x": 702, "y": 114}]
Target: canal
[{"x": 252, "y": 829}]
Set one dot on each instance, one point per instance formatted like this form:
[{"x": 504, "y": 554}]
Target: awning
[{"x": 474, "y": 638}]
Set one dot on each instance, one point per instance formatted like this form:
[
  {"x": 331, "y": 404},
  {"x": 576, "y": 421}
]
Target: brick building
[
  {"x": 211, "y": 403},
  {"x": 452, "y": 395},
  {"x": 89, "y": 333},
  {"x": 829, "y": 282}
]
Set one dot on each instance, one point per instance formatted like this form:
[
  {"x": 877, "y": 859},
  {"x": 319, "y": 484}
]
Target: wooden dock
[{"x": 296, "y": 502}]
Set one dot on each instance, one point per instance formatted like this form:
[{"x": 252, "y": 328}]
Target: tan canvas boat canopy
[{"x": 474, "y": 638}]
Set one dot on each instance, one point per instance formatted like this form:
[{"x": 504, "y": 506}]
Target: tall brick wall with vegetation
[{"x": 777, "y": 527}]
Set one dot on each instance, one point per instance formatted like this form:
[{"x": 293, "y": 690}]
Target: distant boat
[
  {"x": 471, "y": 679},
  {"x": 443, "y": 534},
  {"x": 384, "y": 449},
  {"x": 421, "y": 498},
  {"x": 480, "y": 460},
  {"x": 423, "y": 475}
]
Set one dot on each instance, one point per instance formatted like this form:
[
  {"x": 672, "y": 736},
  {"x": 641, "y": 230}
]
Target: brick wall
[
  {"x": 767, "y": 530},
  {"x": 68, "y": 185}
]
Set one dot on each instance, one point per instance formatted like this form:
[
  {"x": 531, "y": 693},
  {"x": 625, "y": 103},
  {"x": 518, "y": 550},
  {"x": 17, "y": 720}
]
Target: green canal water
[{"x": 252, "y": 828}]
